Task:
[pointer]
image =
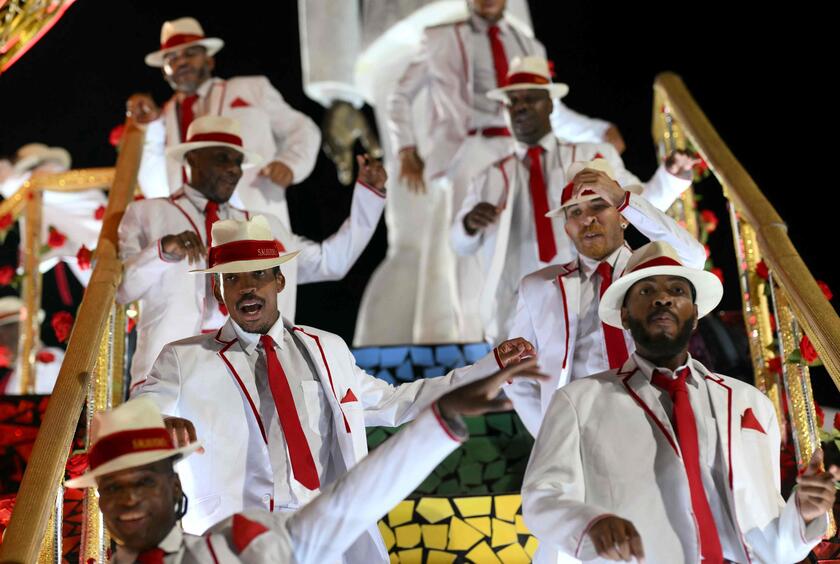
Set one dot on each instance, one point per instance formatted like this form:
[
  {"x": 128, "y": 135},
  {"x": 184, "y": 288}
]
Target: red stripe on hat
[
  {"x": 526, "y": 78},
  {"x": 217, "y": 136},
  {"x": 659, "y": 261},
  {"x": 180, "y": 39},
  {"x": 566, "y": 196},
  {"x": 244, "y": 250},
  {"x": 119, "y": 444}
]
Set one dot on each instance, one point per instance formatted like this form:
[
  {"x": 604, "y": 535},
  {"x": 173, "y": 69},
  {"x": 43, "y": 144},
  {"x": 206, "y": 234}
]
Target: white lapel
[
  {"x": 720, "y": 398},
  {"x": 170, "y": 119},
  {"x": 463, "y": 49},
  {"x": 216, "y": 98},
  {"x": 188, "y": 210},
  {"x": 235, "y": 360},
  {"x": 556, "y": 177},
  {"x": 567, "y": 286},
  {"x": 642, "y": 392}
]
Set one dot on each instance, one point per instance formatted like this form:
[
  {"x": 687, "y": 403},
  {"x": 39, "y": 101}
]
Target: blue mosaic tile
[
  {"x": 392, "y": 356},
  {"x": 405, "y": 372},
  {"x": 433, "y": 371},
  {"x": 447, "y": 355},
  {"x": 473, "y": 352},
  {"x": 367, "y": 357},
  {"x": 385, "y": 375},
  {"x": 422, "y": 356}
]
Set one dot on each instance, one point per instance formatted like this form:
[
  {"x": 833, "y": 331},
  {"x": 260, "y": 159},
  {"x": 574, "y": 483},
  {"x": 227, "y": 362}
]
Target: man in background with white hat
[
  {"x": 663, "y": 459},
  {"x": 281, "y": 409},
  {"x": 287, "y": 140},
  {"x": 444, "y": 130},
  {"x": 47, "y": 359},
  {"x": 161, "y": 237},
  {"x": 557, "y": 306},
  {"x": 132, "y": 458},
  {"x": 503, "y": 218}
]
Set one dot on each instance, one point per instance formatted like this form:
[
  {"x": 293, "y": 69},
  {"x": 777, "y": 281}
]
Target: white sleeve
[
  {"x": 297, "y": 137},
  {"x": 163, "y": 383},
  {"x": 143, "y": 262},
  {"x": 414, "y": 77},
  {"x": 152, "y": 174},
  {"x": 462, "y": 242},
  {"x": 569, "y": 125},
  {"x": 656, "y": 225},
  {"x": 332, "y": 258}
]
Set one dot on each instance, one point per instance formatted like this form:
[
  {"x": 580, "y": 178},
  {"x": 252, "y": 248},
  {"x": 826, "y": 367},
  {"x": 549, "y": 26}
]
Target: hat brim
[
  {"x": 708, "y": 287},
  {"x": 558, "y": 212},
  {"x": 555, "y": 90},
  {"x": 59, "y": 156},
  {"x": 133, "y": 460},
  {"x": 248, "y": 265},
  {"x": 178, "y": 152},
  {"x": 212, "y": 44}
]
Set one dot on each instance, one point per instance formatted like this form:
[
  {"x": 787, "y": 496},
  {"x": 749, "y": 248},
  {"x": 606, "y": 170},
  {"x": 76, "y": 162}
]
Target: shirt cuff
[
  {"x": 815, "y": 529},
  {"x": 375, "y": 190},
  {"x": 625, "y": 202},
  {"x": 165, "y": 257},
  {"x": 455, "y": 428}
]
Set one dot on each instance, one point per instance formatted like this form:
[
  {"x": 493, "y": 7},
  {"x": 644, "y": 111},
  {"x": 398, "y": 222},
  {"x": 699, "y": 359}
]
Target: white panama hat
[
  {"x": 529, "y": 73},
  {"x": 214, "y": 131},
  {"x": 244, "y": 246},
  {"x": 181, "y": 33}
]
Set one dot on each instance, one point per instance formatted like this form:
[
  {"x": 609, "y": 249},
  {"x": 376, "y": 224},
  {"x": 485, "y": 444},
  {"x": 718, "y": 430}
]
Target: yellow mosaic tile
[
  {"x": 435, "y": 509},
  {"x": 507, "y": 506},
  {"x": 461, "y": 535},
  {"x": 387, "y": 535},
  {"x": 414, "y": 556},
  {"x": 480, "y": 523},
  {"x": 408, "y": 536},
  {"x": 402, "y": 513},
  {"x": 520, "y": 526},
  {"x": 437, "y": 557},
  {"x": 483, "y": 554},
  {"x": 531, "y": 546},
  {"x": 435, "y": 536},
  {"x": 474, "y": 506},
  {"x": 503, "y": 533},
  {"x": 394, "y": 558},
  {"x": 513, "y": 554}
]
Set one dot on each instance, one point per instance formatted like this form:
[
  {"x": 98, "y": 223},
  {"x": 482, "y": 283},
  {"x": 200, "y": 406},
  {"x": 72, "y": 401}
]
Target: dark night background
[{"x": 757, "y": 75}]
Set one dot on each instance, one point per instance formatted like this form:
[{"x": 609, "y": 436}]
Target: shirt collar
[
  {"x": 548, "y": 143},
  {"x": 589, "y": 265},
  {"x": 647, "y": 368},
  {"x": 249, "y": 341},
  {"x": 171, "y": 543},
  {"x": 198, "y": 199},
  {"x": 480, "y": 25}
]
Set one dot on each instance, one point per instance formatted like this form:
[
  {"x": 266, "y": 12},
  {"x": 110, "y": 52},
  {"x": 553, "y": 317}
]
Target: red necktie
[
  {"x": 500, "y": 61},
  {"x": 616, "y": 347},
  {"x": 303, "y": 466},
  {"x": 539, "y": 201},
  {"x": 187, "y": 117},
  {"x": 151, "y": 556},
  {"x": 686, "y": 428},
  {"x": 211, "y": 216}
]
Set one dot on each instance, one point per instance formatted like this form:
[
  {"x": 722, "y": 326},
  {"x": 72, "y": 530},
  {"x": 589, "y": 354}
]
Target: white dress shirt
[
  {"x": 313, "y": 412},
  {"x": 590, "y": 345},
  {"x": 708, "y": 443}
]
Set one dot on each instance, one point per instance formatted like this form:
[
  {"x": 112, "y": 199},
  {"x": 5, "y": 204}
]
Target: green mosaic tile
[
  {"x": 495, "y": 470},
  {"x": 501, "y": 422},
  {"x": 469, "y": 474},
  {"x": 476, "y": 425},
  {"x": 482, "y": 449}
]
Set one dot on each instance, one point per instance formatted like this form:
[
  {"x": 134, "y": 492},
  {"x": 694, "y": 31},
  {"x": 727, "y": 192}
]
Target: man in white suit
[
  {"x": 502, "y": 219},
  {"x": 557, "y": 307},
  {"x": 161, "y": 237},
  {"x": 142, "y": 500},
  {"x": 281, "y": 409},
  {"x": 287, "y": 140},
  {"x": 663, "y": 459},
  {"x": 442, "y": 129}
]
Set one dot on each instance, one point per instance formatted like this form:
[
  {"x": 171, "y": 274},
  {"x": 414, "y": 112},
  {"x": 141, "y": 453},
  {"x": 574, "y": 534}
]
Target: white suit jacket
[
  {"x": 611, "y": 449},
  {"x": 443, "y": 66},
  {"x": 323, "y": 530},
  {"x": 548, "y": 308},
  {"x": 172, "y": 299},
  {"x": 270, "y": 127},
  {"x": 208, "y": 380},
  {"x": 499, "y": 185}
]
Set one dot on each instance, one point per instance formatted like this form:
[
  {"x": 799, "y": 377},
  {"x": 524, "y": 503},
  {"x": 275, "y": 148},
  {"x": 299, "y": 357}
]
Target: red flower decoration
[
  {"x": 45, "y": 357},
  {"x": 762, "y": 271},
  {"x": 825, "y": 290},
  {"x": 809, "y": 353},
  {"x": 76, "y": 465},
  {"x": 7, "y": 274},
  {"x": 837, "y": 420},
  {"x": 84, "y": 256},
  {"x": 6, "y": 221},
  {"x": 702, "y": 166},
  {"x": 56, "y": 238},
  {"x": 774, "y": 365},
  {"x": 99, "y": 213},
  {"x": 62, "y": 323},
  {"x": 7, "y": 504},
  {"x": 772, "y": 322},
  {"x": 708, "y": 251},
  {"x": 5, "y": 357},
  {"x": 709, "y": 220},
  {"x": 116, "y": 135},
  {"x": 717, "y": 272},
  {"x": 551, "y": 68},
  {"x": 139, "y": 197},
  {"x": 820, "y": 414}
]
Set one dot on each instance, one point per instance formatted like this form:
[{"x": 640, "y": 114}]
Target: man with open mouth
[
  {"x": 132, "y": 461},
  {"x": 281, "y": 409},
  {"x": 660, "y": 459}
]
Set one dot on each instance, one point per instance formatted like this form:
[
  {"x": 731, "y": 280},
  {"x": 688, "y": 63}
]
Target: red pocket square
[
  {"x": 349, "y": 396},
  {"x": 748, "y": 421},
  {"x": 239, "y": 103}
]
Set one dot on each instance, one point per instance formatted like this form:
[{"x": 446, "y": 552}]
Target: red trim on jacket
[
  {"x": 329, "y": 373},
  {"x": 241, "y": 384},
  {"x": 650, "y": 413}
]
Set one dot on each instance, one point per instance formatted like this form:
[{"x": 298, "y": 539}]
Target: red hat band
[
  {"x": 527, "y": 78},
  {"x": 216, "y": 136},
  {"x": 119, "y": 444},
  {"x": 659, "y": 261},
  {"x": 244, "y": 250},
  {"x": 180, "y": 39}
]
